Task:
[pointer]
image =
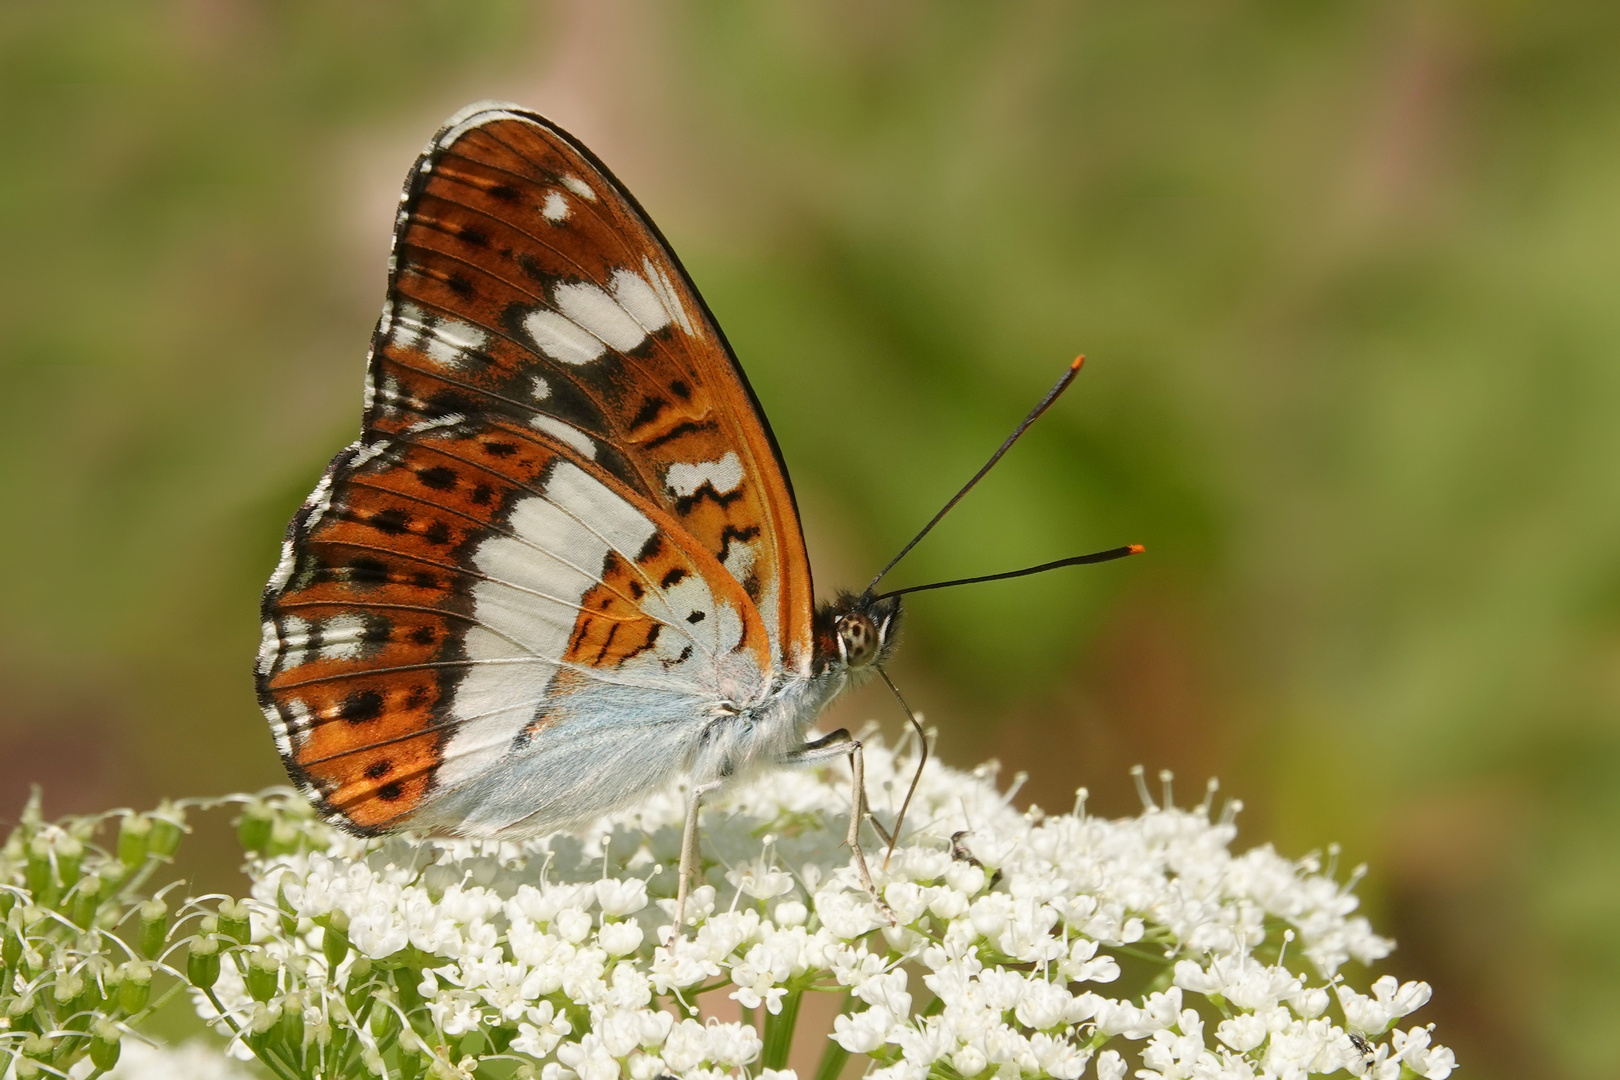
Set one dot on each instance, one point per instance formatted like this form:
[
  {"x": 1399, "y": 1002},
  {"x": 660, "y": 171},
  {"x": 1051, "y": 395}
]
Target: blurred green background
[{"x": 1348, "y": 276}]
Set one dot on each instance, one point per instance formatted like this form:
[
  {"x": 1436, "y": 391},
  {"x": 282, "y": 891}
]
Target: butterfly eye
[{"x": 857, "y": 639}]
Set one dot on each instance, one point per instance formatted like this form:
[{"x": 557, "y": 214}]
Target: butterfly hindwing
[{"x": 453, "y": 597}]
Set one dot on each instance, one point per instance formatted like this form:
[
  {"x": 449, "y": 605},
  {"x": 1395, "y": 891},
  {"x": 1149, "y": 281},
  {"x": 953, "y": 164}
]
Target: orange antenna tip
[
  {"x": 1077, "y": 362},
  {"x": 1135, "y": 549}
]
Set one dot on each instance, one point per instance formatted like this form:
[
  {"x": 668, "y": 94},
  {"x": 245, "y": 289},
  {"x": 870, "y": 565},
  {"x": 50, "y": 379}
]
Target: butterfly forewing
[
  {"x": 528, "y": 284},
  {"x": 565, "y": 515}
]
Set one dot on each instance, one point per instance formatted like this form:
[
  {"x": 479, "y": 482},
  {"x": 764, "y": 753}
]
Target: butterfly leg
[
  {"x": 838, "y": 744},
  {"x": 689, "y": 856}
]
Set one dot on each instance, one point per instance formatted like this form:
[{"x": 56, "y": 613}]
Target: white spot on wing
[
  {"x": 578, "y": 186},
  {"x": 555, "y": 208},
  {"x": 621, "y": 524},
  {"x": 539, "y": 388},
  {"x": 562, "y": 339},
  {"x": 564, "y": 433},
  {"x": 740, "y": 558},
  {"x": 640, "y": 300},
  {"x": 341, "y": 638},
  {"x": 594, "y": 310},
  {"x": 526, "y": 608},
  {"x": 445, "y": 341},
  {"x": 723, "y": 475},
  {"x": 667, "y": 296}
]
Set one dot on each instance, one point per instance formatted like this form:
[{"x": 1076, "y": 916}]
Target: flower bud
[
  {"x": 335, "y": 939},
  {"x": 134, "y": 837},
  {"x": 168, "y": 825},
  {"x": 284, "y": 836},
  {"x": 134, "y": 986},
  {"x": 263, "y": 975},
  {"x": 86, "y": 898},
  {"x": 291, "y": 1026},
  {"x": 69, "y": 856},
  {"x": 11, "y": 947},
  {"x": 253, "y": 827},
  {"x": 260, "y": 1024},
  {"x": 154, "y": 929},
  {"x": 67, "y": 987},
  {"x": 233, "y": 921},
  {"x": 202, "y": 962},
  {"x": 104, "y": 1039},
  {"x": 37, "y": 870},
  {"x": 289, "y": 914},
  {"x": 384, "y": 1020}
]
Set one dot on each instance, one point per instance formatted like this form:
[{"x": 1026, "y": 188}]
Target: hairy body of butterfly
[{"x": 562, "y": 566}]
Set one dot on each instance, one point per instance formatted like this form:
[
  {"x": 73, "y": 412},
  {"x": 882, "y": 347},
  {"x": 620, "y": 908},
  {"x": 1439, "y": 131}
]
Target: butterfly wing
[
  {"x": 527, "y": 283},
  {"x": 512, "y": 603}
]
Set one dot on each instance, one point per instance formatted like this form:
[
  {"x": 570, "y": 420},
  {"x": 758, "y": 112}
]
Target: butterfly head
[{"x": 856, "y": 631}]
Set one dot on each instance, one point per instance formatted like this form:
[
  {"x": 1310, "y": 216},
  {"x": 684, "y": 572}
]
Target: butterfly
[{"x": 562, "y": 566}]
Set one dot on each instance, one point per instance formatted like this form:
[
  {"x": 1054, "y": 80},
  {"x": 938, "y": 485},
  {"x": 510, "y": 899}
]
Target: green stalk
[
  {"x": 779, "y": 1031},
  {"x": 274, "y": 1066},
  {"x": 835, "y": 1057}
]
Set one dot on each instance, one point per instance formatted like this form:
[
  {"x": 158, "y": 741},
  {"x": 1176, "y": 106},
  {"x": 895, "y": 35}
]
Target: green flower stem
[
  {"x": 779, "y": 1031},
  {"x": 835, "y": 1057},
  {"x": 279, "y": 1068}
]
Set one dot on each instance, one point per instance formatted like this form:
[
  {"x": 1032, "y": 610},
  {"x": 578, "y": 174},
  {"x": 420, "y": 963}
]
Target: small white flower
[
  {"x": 1412, "y": 1047},
  {"x": 864, "y": 1031},
  {"x": 1042, "y": 1004},
  {"x": 619, "y": 898},
  {"x": 572, "y": 925},
  {"x": 1243, "y": 1032},
  {"x": 733, "y": 1045},
  {"x": 969, "y": 1060},
  {"x": 620, "y": 939},
  {"x": 1110, "y": 1065},
  {"x": 789, "y": 913},
  {"x": 686, "y": 1047}
]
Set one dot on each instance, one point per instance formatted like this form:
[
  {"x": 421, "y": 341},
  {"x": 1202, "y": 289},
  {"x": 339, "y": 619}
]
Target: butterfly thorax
[{"x": 854, "y": 633}]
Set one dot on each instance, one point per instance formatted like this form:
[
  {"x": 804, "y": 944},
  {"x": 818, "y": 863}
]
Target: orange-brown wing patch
[
  {"x": 452, "y": 555},
  {"x": 528, "y": 285}
]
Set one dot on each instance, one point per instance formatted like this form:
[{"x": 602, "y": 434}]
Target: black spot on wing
[
  {"x": 364, "y": 570},
  {"x": 392, "y": 521},
  {"x": 705, "y": 490},
  {"x": 437, "y": 477},
  {"x": 732, "y": 532},
  {"x": 650, "y": 408},
  {"x": 686, "y": 427},
  {"x": 361, "y": 706}
]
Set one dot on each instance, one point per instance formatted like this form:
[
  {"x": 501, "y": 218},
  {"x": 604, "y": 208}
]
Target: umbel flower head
[{"x": 1021, "y": 944}]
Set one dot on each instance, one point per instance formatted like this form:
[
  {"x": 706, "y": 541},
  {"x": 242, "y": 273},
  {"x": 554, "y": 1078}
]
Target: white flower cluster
[{"x": 1022, "y": 944}]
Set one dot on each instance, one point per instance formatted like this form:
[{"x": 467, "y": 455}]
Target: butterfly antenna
[
  {"x": 1034, "y": 415},
  {"x": 922, "y": 759},
  {"x": 1073, "y": 560}
]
